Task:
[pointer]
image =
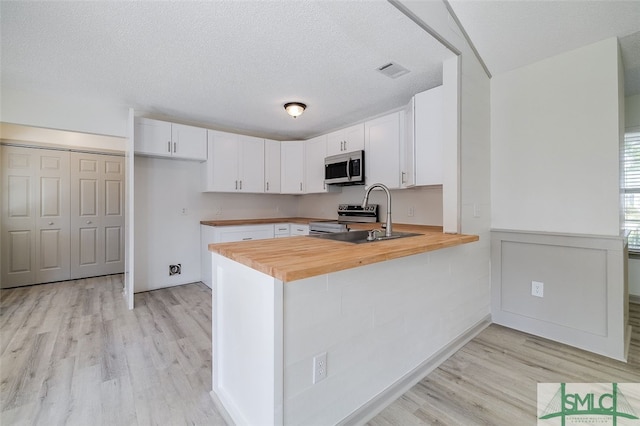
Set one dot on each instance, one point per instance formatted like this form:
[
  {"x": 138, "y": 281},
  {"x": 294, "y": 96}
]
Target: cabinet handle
[
  {"x": 175, "y": 147},
  {"x": 50, "y": 223},
  {"x": 247, "y": 239},
  {"x": 345, "y": 145},
  {"x": 169, "y": 147},
  {"x": 267, "y": 186},
  {"x": 240, "y": 184},
  {"x": 88, "y": 222},
  {"x": 300, "y": 186},
  {"x": 236, "y": 184},
  {"x": 404, "y": 180}
]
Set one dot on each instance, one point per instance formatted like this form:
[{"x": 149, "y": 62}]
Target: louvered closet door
[
  {"x": 35, "y": 216},
  {"x": 97, "y": 215}
]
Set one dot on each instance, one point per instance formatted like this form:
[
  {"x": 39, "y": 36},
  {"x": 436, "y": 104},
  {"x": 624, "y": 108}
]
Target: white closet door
[
  {"x": 35, "y": 216},
  {"x": 18, "y": 216},
  {"x": 52, "y": 219},
  {"x": 97, "y": 215}
]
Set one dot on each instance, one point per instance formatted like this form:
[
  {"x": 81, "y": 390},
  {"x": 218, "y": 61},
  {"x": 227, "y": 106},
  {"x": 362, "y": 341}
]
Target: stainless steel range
[{"x": 347, "y": 213}]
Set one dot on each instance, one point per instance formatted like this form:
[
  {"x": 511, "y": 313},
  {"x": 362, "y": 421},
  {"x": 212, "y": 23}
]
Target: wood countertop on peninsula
[{"x": 295, "y": 258}]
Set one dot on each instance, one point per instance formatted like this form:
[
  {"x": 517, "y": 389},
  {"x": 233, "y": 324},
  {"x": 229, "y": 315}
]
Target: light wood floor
[{"x": 71, "y": 354}]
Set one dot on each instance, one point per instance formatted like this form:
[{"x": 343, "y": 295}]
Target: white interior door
[
  {"x": 97, "y": 215},
  {"x": 52, "y": 219},
  {"x": 18, "y": 217}
]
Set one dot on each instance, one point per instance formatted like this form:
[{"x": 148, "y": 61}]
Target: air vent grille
[{"x": 393, "y": 70}]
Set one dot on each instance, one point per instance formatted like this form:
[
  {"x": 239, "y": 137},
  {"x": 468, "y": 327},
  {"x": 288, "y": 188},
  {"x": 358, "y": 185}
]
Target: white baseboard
[
  {"x": 378, "y": 403},
  {"x": 221, "y": 410}
]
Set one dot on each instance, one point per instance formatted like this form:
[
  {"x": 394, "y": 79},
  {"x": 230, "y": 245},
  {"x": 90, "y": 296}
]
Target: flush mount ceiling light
[{"x": 294, "y": 109}]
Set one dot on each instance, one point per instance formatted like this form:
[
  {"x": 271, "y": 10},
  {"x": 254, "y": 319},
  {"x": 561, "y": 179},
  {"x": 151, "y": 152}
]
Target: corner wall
[{"x": 556, "y": 130}]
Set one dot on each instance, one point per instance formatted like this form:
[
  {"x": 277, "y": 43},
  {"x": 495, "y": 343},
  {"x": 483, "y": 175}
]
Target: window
[{"x": 631, "y": 188}]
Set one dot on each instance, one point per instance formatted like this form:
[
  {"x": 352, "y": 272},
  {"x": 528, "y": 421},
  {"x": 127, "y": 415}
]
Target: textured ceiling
[
  {"x": 225, "y": 64},
  {"x": 514, "y": 33}
]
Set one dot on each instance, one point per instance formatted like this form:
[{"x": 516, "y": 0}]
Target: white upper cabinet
[
  {"x": 292, "y": 167},
  {"x": 428, "y": 136},
  {"x": 157, "y": 138},
  {"x": 315, "y": 150},
  {"x": 382, "y": 150},
  {"x": 407, "y": 147},
  {"x": 346, "y": 140},
  {"x": 236, "y": 163},
  {"x": 271, "y": 166}
]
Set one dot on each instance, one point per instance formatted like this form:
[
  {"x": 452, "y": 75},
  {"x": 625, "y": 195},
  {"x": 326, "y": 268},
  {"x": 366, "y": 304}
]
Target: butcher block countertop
[{"x": 295, "y": 258}]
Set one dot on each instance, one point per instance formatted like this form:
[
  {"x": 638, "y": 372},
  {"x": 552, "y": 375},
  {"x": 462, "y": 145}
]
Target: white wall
[
  {"x": 632, "y": 122},
  {"x": 97, "y": 115},
  {"x": 164, "y": 236},
  {"x": 555, "y": 144}
]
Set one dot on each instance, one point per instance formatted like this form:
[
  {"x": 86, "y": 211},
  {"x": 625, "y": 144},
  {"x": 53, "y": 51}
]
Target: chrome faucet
[{"x": 388, "y": 226}]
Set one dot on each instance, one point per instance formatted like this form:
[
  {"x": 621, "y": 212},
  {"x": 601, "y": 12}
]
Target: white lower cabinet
[
  {"x": 298, "y": 229},
  {"x": 281, "y": 230},
  {"x": 227, "y": 234}
]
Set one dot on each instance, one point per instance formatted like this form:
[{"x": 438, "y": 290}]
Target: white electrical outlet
[
  {"x": 476, "y": 210},
  {"x": 410, "y": 212},
  {"x": 319, "y": 367},
  {"x": 537, "y": 289}
]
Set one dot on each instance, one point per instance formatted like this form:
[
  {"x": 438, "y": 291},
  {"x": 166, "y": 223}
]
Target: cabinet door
[
  {"x": 346, "y": 140},
  {"x": 354, "y": 138},
  {"x": 152, "y": 137},
  {"x": 229, "y": 234},
  {"x": 407, "y": 147},
  {"x": 298, "y": 229},
  {"x": 429, "y": 136},
  {"x": 188, "y": 142},
  {"x": 271, "y": 166},
  {"x": 222, "y": 165},
  {"x": 382, "y": 160},
  {"x": 315, "y": 150},
  {"x": 251, "y": 164},
  {"x": 292, "y": 167}
]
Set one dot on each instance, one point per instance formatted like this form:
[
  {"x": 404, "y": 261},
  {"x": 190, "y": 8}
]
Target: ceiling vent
[{"x": 393, "y": 70}]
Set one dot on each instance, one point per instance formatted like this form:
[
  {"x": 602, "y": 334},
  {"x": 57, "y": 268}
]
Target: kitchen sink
[{"x": 360, "y": 237}]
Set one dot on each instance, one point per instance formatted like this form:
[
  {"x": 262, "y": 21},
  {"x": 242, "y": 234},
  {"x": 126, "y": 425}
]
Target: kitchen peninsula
[{"x": 381, "y": 314}]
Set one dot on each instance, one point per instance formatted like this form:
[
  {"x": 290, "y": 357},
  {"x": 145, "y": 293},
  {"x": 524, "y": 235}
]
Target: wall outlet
[
  {"x": 319, "y": 367},
  {"x": 537, "y": 289},
  {"x": 175, "y": 269},
  {"x": 410, "y": 211},
  {"x": 476, "y": 211}
]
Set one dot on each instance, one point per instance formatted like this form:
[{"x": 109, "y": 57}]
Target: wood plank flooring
[
  {"x": 493, "y": 379},
  {"x": 72, "y": 354}
]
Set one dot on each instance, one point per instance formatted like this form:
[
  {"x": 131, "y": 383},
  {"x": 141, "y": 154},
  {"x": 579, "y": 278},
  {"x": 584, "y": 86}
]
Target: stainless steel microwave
[{"x": 344, "y": 169}]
